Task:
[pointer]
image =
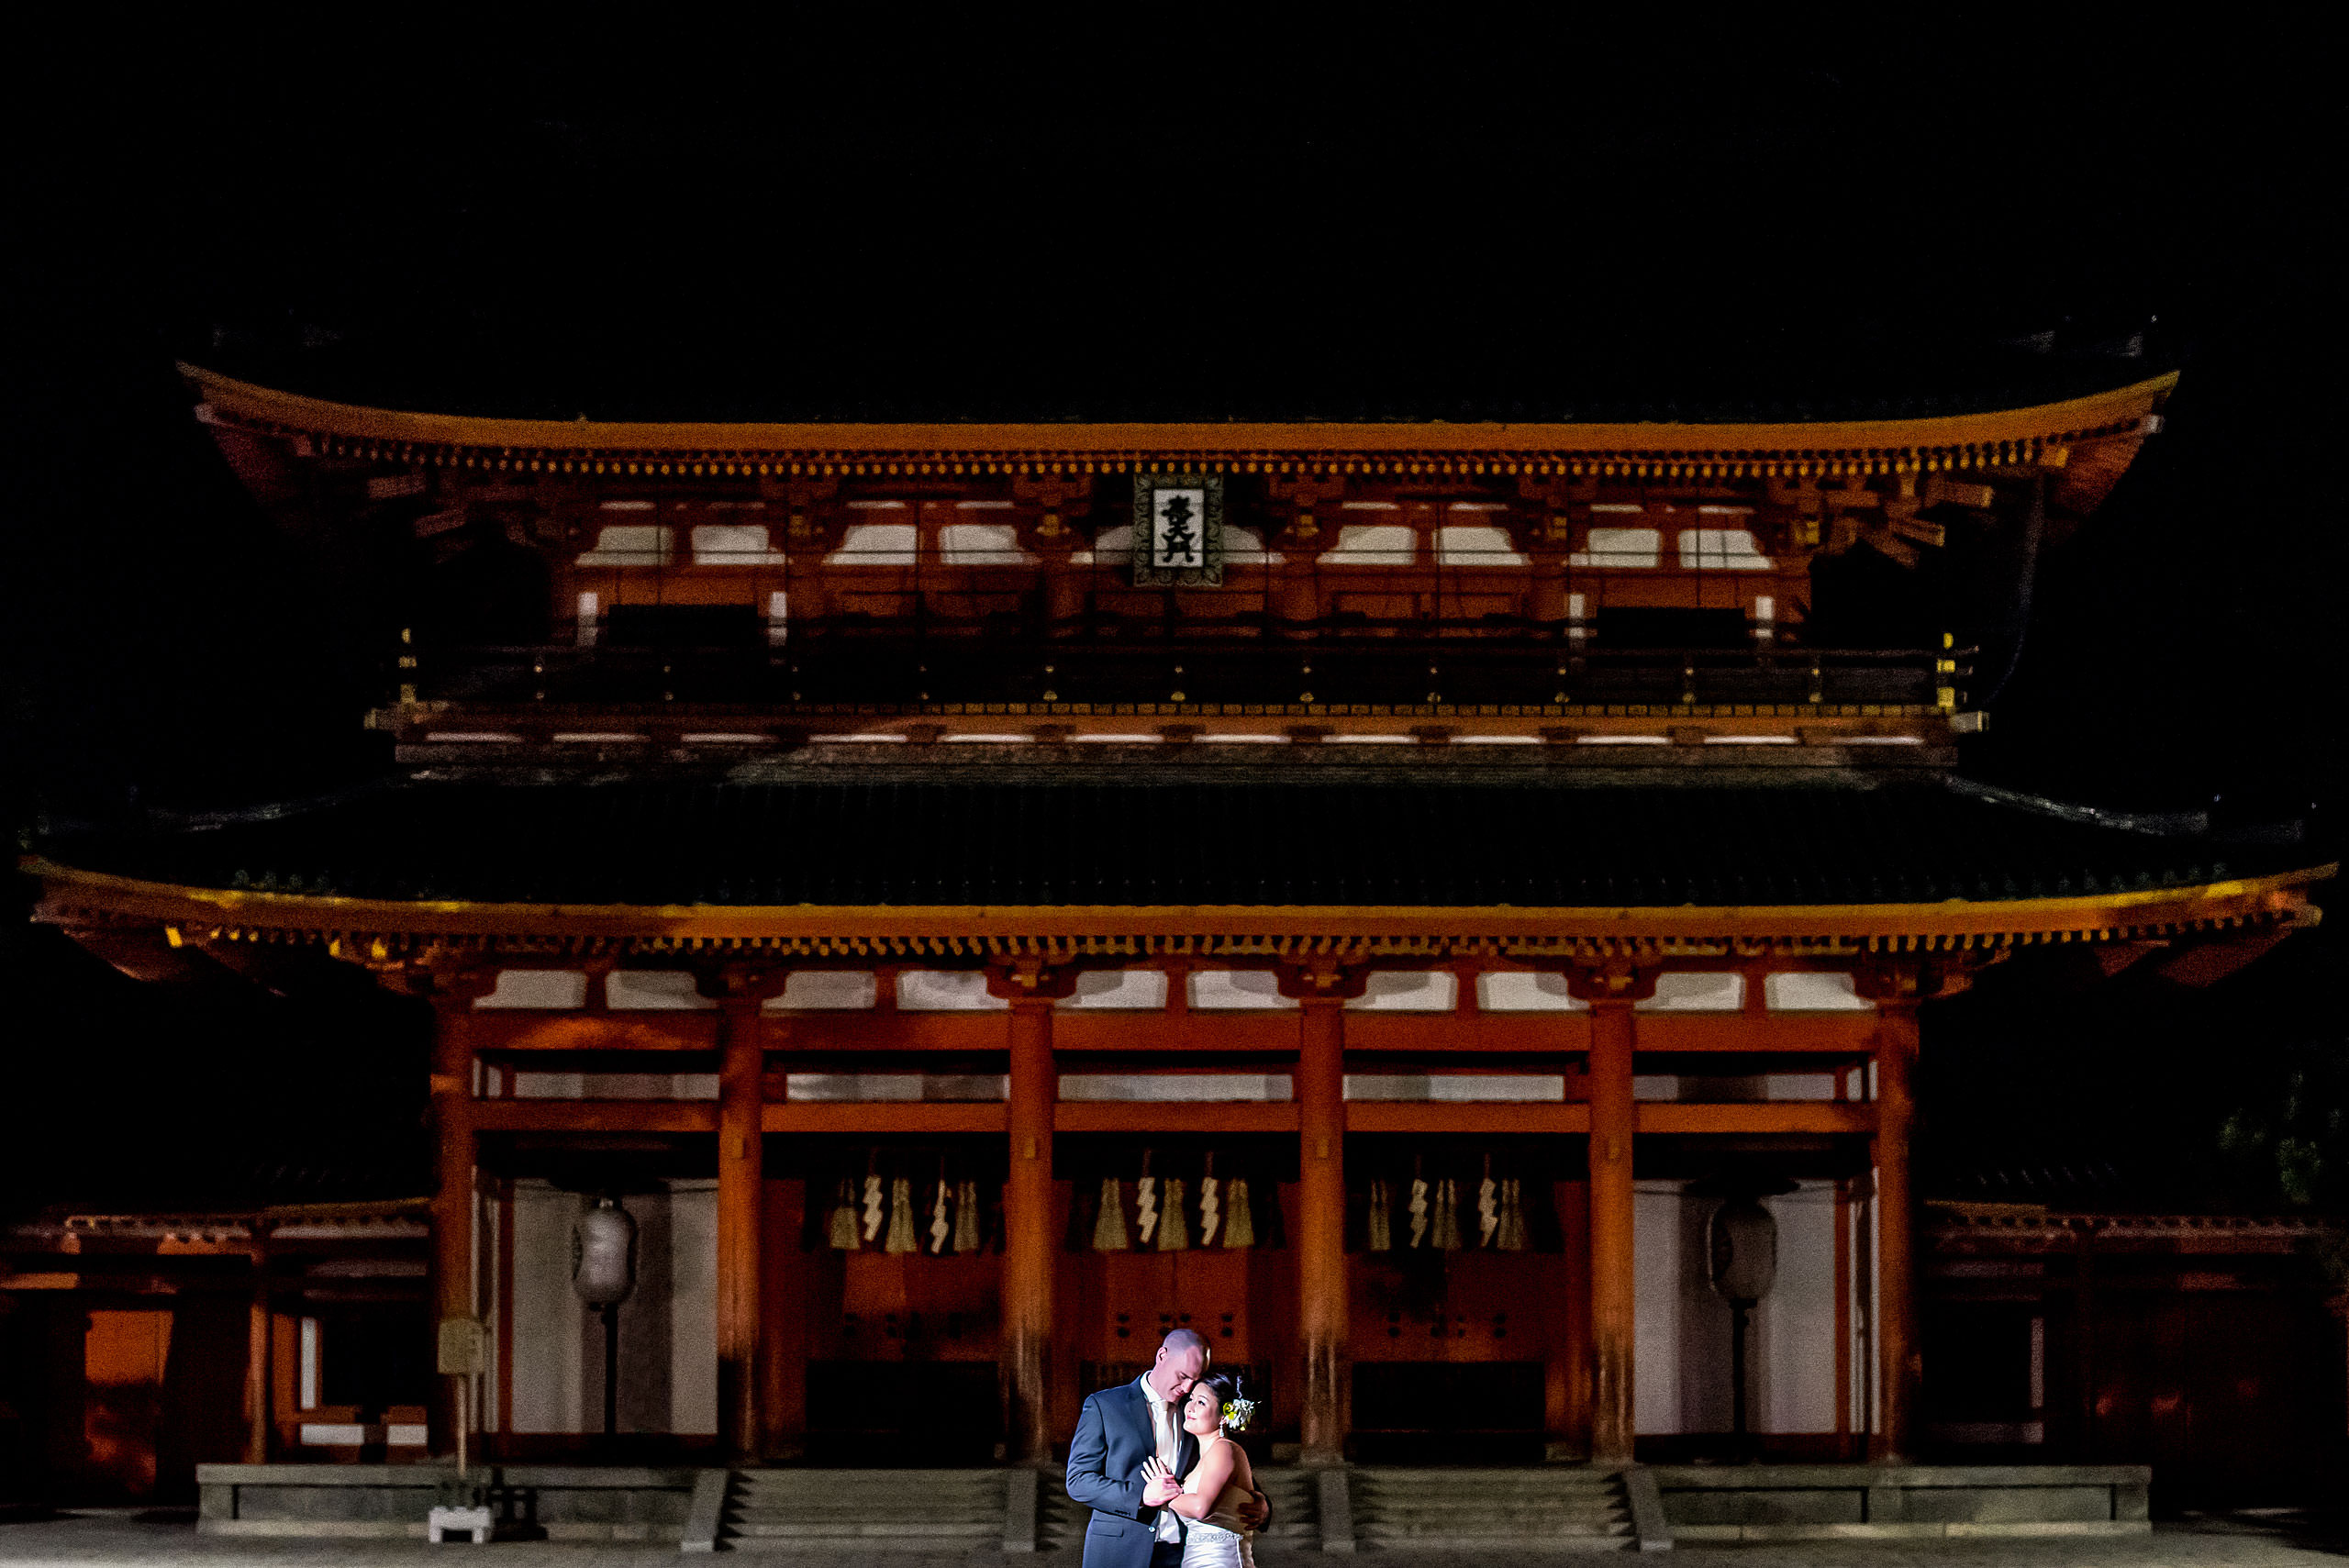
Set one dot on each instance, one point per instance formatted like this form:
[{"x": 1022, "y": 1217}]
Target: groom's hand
[
  {"x": 1159, "y": 1485},
  {"x": 1256, "y": 1512}
]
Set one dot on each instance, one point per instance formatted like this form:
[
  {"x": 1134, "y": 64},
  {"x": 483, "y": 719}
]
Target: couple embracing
[{"x": 1154, "y": 1461}]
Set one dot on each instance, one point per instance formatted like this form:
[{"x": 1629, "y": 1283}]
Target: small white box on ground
[{"x": 444, "y": 1525}]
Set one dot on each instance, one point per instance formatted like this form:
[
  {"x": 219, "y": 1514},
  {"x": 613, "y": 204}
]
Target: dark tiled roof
[
  {"x": 1144, "y": 841},
  {"x": 1773, "y": 377}
]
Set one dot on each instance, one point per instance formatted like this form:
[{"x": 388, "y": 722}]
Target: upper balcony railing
[{"x": 858, "y": 663}]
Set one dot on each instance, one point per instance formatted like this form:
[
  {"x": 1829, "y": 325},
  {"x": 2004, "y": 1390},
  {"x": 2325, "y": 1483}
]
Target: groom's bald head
[{"x": 1182, "y": 1361}]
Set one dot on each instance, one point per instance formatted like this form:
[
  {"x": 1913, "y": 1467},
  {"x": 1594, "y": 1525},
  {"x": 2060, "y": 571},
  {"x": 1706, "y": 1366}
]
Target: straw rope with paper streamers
[
  {"x": 901, "y": 1217},
  {"x": 1512, "y": 1237},
  {"x": 1239, "y": 1219},
  {"x": 1488, "y": 1212},
  {"x": 843, "y": 1234},
  {"x": 966, "y": 1215},
  {"x": 1210, "y": 1211},
  {"x": 940, "y": 1227},
  {"x": 1175, "y": 1224},
  {"x": 871, "y": 1208},
  {"x": 1110, "y": 1230},
  {"x": 1447, "y": 1217},
  {"x": 1419, "y": 1209}
]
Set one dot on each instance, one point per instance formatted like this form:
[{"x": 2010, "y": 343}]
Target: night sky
[{"x": 961, "y": 215}]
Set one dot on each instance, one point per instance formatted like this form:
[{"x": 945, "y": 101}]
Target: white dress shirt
[{"x": 1162, "y": 1429}]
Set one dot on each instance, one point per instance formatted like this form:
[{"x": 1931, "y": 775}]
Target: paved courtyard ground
[{"x": 96, "y": 1538}]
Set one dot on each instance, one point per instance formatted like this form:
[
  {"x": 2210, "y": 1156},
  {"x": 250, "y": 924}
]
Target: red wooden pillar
[
  {"x": 1321, "y": 1225},
  {"x": 1612, "y": 1113},
  {"x": 1028, "y": 1232},
  {"x": 261, "y": 1384},
  {"x": 1900, "y": 1365},
  {"x": 741, "y": 993},
  {"x": 453, "y": 1200}
]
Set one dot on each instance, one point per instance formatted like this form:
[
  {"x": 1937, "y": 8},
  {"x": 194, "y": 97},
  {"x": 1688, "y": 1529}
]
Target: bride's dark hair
[{"x": 1226, "y": 1387}]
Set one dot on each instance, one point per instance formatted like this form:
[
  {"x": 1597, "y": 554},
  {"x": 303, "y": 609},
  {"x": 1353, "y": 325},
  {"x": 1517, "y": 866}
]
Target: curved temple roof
[
  {"x": 2040, "y": 433},
  {"x": 1209, "y": 867}
]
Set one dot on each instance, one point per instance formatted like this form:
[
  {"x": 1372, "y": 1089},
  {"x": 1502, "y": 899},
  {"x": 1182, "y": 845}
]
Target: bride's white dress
[{"x": 1219, "y": 1541}]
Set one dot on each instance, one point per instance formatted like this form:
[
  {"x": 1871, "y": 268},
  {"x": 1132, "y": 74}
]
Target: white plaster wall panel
[
  {"x": 630, "y": 544},
  {"x": 1800, "y": 1085},
  {"x": 1233, "y": 990},
  {"x": 1475, "y": 544},
  {"x": 550, "y": 1085},
  {"x": 1407, "y": 991},
  {"x": 1721, "y": 550},
  {"x": 904, "y": 1086},
  {"x": 1245, "y": 547},
  {"x": 1180, "y": 1088},
  {"x": 693, "y": 1307},
  {"x": 876, "y": 544},
  {"x": 982, "y": 544},
  {"x": 1620, "y": 549},
  {"x": 1112, "y": 546},
  {"x": 1697, "y": 993},
  {"x": 1656, "y": 1086},
  {"x": 1373, "y": 544},
  {"x": 1457, "y": 1088},
  {"x": 1793, "y": 1330},
  {"x": 946, "y": 990},
  {"x": 1655, "y": 1300},
  {"x": 826, "y": 990},
  {"x": 548, "y": 1319},
  {"x": 646, "y": 1325},
  {"x": 1701, "y": 1340},
  {"x": 553, "y": 988},
  {"x": 1801, "y": 992},
  {"x": 1118, "y": 989},
  {"x": 653, "y": 990},
  {"x": 1524, "y": 991},
  {"x": 733, "y": 544}
]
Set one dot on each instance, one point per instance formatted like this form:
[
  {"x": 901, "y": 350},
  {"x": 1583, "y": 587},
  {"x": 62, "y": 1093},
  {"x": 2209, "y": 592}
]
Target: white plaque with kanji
[{"x": 1178, "y": 530}]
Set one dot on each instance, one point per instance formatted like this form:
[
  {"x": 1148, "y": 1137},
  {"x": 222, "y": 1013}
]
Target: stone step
[
  {"x": 848, "y": 1530},
  {"x": 835, "y": 1511},
  {"x": 1494, "y": 1528},
  {"x": 1512, "y": 1542}
]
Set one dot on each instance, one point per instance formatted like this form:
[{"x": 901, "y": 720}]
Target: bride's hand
[{"x": 1159, "y": 1485}]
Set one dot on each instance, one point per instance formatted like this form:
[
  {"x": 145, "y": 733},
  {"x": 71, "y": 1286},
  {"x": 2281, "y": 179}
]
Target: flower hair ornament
[{"x": 1238, "y": 1411}]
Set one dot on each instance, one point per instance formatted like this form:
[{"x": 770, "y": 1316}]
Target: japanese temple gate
[{"x": 1000, "y": 1120}]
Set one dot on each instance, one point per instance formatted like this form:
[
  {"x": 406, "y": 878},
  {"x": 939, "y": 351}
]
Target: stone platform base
[
  {"x": 685, "y": 1507},
  {"x": 592, "y": 1503},
  {"x": 1826, "y": 1502}
]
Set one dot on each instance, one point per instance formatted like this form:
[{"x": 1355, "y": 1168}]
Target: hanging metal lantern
[
  {"x": 1742, "y": 1249},
  {"x": 602, "y": 1254}
]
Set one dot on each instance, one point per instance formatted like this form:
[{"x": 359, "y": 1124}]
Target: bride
[{"x": 1221, "y": 1481}]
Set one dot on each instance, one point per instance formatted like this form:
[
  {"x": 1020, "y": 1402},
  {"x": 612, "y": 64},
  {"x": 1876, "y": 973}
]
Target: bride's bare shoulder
[{"x": 1243, "y": 1472}]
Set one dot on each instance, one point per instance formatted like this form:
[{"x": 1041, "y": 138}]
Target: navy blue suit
[{"x": 1104, "y": 1460}]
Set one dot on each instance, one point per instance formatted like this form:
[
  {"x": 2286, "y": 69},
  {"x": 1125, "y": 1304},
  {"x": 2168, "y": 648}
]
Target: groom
[{"x": 1121, "y": 1427}]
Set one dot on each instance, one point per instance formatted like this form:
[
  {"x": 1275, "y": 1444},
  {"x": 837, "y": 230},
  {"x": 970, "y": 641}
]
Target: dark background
[{"x": 1225, "y": 216}]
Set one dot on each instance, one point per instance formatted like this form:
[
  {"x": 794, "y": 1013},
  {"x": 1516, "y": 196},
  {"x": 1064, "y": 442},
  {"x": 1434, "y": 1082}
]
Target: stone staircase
[
  {"x": 838, "y": 1514},
  {"x": 1570, "y": 1508},
  {"x": 1295, "y": 1497},
  {"x": 837, "y": 1511}
]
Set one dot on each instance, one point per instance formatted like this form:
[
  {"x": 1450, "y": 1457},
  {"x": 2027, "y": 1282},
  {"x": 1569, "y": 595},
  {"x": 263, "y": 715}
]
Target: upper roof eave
[
  {"x": 2120, "y": 411},
  {"x": 69, "y": 891}
]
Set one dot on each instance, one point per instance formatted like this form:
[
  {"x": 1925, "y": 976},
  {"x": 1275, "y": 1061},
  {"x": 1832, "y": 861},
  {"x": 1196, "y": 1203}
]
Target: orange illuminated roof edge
[
  {"x": 244, "y": 401},
  {"x": 2259, "y": 898}
]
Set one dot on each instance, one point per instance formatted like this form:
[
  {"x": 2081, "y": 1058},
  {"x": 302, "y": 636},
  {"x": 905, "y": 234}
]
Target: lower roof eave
[{"x": 382, "y": 927}]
